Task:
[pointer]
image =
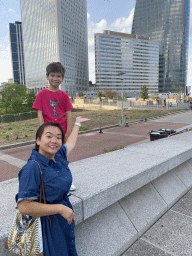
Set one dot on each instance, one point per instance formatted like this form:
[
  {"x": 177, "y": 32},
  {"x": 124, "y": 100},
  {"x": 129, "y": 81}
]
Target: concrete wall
[{"x": 120, "y": 194}]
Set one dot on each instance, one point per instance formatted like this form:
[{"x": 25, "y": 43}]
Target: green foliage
[
  {"x": 99, "y": 94},
  {"x": 30, "y": 99},
  {"x": 16, "y": 99},
  {"x": 83, "y": 128},
  {"x": 111, "y": 150},
  {"x": 80, "y": 94},
  {"x": 144, "y": 92}
]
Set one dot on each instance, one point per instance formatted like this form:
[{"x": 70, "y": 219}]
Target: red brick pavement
[
  {"x": 8, "y": 171},
  {"x": 91, "y": 144}
]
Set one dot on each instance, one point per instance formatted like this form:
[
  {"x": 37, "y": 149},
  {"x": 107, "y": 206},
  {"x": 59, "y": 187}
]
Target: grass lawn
[{"x": 20, "y": 131}]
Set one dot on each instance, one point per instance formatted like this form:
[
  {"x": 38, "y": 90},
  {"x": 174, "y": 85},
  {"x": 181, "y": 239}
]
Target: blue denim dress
[{"x": 59, "y": 240}]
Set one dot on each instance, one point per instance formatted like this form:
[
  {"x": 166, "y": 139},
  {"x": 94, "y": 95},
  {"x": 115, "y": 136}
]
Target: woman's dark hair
[
  {"x": 42, "y": 128},
  {"x": 55, "y": 67}
]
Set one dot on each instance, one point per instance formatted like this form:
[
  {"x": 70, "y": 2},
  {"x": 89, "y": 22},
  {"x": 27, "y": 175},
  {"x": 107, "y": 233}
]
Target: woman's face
[{"x": 50, "y": 142}]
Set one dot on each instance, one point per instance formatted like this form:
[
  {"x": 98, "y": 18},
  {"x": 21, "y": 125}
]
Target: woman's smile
[{"x": 50, "y": 142}]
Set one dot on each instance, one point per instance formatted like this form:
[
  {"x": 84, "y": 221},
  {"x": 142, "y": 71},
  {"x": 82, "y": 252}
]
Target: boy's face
[{"x": 55, "y": 79}]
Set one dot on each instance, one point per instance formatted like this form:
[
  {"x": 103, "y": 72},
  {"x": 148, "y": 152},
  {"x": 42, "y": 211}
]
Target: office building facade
[
  {"x": 126, "y": 62},
  {"x": 55, "y": 30},
  {"x": 167, "y": 23},
  {"x": 17, "y": 56}
]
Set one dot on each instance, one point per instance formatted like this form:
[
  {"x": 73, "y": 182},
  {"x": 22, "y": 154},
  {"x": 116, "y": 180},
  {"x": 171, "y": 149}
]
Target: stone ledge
[{"x": 105, "y": 179}]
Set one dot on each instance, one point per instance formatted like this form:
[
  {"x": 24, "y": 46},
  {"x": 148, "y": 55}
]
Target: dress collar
[{"x": 42, "y": 159}]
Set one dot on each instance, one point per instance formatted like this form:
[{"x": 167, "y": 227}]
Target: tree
[
  {"x": 99, "y": 94},
  {"x": 110, "y": 94},
  {"x": 16, "y": 99},
  {"x": 30, "y": 99},
  {"x": 80, "y": 94},
  {"x": 144, "y": 92}
]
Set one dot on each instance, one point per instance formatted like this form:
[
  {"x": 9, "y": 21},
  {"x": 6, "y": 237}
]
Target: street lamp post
[{"x": 122, "y": 121}]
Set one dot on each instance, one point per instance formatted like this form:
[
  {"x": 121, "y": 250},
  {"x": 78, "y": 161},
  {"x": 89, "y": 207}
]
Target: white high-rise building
[
  {"x": 55, "y": 30},
  {"x": 125, "y": 62}
]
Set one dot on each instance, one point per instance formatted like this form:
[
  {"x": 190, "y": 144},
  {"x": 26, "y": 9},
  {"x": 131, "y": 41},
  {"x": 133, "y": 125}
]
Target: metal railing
[
  {"x": 18, "y": 117},
  {"x": 128, "y": 104}
]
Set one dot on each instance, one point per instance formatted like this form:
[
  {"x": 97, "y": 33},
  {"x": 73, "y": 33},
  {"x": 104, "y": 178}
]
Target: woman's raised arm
[{"x": 71, "y": 141}]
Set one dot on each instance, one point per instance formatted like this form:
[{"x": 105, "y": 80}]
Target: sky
[{"x": 101, "y": 15}]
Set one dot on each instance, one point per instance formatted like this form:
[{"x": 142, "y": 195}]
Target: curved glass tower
[
  {"x": 55, "y": 30},
  {"x": 167, "y": 23}
]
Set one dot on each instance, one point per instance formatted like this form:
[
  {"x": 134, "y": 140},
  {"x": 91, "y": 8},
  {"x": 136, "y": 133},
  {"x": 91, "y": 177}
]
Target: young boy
[{"x": 52, "y": 104}]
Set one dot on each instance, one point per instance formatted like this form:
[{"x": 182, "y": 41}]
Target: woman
[{"x": 58, "y": 229}]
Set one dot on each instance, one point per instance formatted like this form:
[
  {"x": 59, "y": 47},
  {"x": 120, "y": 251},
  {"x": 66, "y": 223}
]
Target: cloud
[
  {"x": 92, "y": 29},
  {"x": 5, "y": 57},
  {"x": 123, "y": 24},
  {"x": 119, "y": 25},
  {"x": 5, "y": 66},
  {"x": 11, "y": 10},
  {"x": 95, "y": 28}
]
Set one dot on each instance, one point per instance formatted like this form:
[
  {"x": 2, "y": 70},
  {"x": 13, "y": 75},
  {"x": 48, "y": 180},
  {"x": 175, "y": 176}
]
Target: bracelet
[{"x": 78, "y": 124}]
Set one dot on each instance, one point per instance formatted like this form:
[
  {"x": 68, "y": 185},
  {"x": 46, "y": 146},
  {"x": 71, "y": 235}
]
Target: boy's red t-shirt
[{"x": 54, "y": 105}]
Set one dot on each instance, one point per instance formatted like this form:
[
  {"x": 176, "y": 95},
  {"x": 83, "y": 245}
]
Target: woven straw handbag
[{"x": 25, "y": 237}]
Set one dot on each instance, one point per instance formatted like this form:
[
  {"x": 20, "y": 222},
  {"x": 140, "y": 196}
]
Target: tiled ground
[{"x": 170, "y": 235}]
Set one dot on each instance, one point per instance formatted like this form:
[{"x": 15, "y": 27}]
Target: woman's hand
[
  {"x": 71, "y": 141},
  {"x": 67, "y": 213},
  {"x": 81, "y": 119}
]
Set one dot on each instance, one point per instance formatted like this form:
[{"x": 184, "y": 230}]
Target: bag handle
[
  {"x": 42, "y": 189},
  {"x": 42, "y": 185}
]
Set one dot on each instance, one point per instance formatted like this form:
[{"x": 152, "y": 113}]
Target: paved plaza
[{"x": 172, "y": 233}]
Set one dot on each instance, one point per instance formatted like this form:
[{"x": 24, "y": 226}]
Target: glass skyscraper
[
  {"x": 167, "y": 23},
  {"x": 55, "y": 30},
  {"x": 16, "y": 43},
  {"x": 126, "y": 62}
]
